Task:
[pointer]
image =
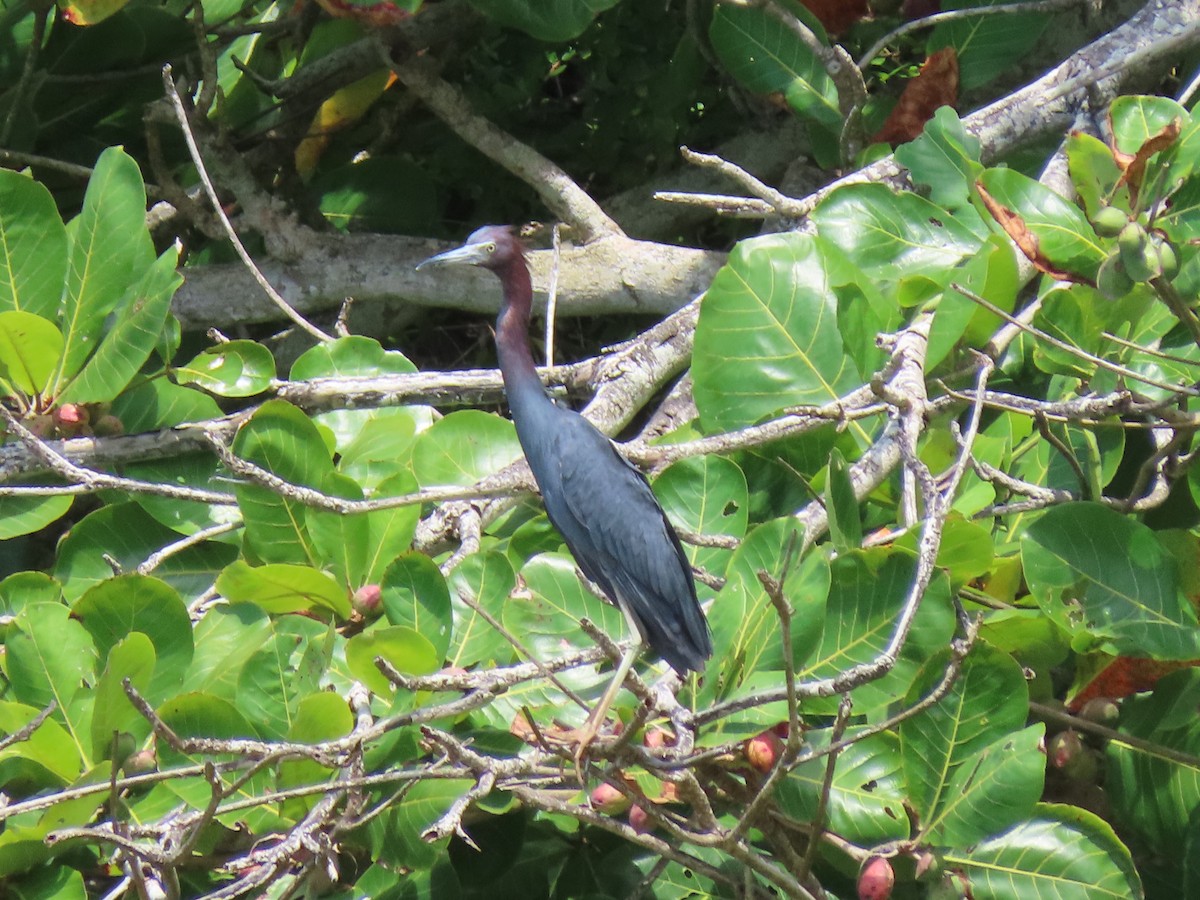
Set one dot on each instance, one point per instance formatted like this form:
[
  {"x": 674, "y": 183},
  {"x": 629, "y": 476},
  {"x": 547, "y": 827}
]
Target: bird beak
[{"x": 466, "y": 255}]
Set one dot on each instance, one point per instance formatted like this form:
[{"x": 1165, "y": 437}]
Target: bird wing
[{"x": 622, "y": 540}]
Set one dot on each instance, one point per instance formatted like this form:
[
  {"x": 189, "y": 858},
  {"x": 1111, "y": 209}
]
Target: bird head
[{"x": 490, "y": 247}]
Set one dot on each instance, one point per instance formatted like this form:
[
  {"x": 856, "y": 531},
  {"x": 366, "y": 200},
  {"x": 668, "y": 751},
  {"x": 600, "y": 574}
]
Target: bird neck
[{"x": 521, "y": 382}]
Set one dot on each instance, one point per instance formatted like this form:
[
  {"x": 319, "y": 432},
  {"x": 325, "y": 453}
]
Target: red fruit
[
  {"x": 639, "y": 820},
  {"x": 876, "y": 880},
  {"x": 367, "y": 601},
  {"x": 71, "y": 414},
  {"x": 762, "y": 751},
  {"x": 608, "y": 800}
]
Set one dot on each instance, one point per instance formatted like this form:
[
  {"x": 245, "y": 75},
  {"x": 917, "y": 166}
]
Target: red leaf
[
  {"x": 1125, "y": 676},
  {"x": 838, "y": 15}
]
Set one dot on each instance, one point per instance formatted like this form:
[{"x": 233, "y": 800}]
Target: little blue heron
[{"x": 601, "y": 505}]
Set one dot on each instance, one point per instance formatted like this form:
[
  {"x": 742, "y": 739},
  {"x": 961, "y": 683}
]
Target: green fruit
[
  {"x": 1168, "y": 260},
  {"x": 1112, "y": 281},
  {"x": 1138, "y": 255},
  {"x": 1109, "y": 221}
]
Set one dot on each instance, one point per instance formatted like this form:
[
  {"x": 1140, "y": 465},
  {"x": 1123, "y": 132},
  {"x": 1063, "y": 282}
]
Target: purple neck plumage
[{"x": 521, "y": 382}]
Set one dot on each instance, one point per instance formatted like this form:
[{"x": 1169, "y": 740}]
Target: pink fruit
[
  {"x": 639, "y": 820},
  {"x": 876, "y": 879},
  {"x": 608, "y": 800},
  {"x": 763, "y": 750},
  {"x": 367, "y": 601}
]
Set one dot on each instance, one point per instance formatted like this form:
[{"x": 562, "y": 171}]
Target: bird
[{"x": 601, "y": 505}]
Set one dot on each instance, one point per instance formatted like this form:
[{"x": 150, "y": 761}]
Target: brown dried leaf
[
  {"x": 838, "y": 15},
  {"x": 1026, "y": 241},
  {"x": 1133, "y": 165},
  {"x": 936, "y": 85}
]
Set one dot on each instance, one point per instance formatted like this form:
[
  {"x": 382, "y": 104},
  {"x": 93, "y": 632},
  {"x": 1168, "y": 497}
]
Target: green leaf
[
  {"x": 30, "y": 349},
  {"x": 988, "y": 701},
  {"x": 415, "y": 594},
  {"x": 22, "y": 588},
  {"x": 408, "y": 651},
  {"x": 990, "y": 273},
  {"x": 380, "y": 194},
  {"x": 225, "y": 637},
  {"x": 156, "y": 403},
  {"x": 1137, "y": 119},
  {"x": 110, "y": 247},
  {"x": 274, "y": 680},
  {"x": 1062, "y": 234},
  {"x": 126, "y": 533},
  {"x": 991, "y": 790},
  {"x": 1105, "y": 576},
  {"x": 390, "y": 532},
  {"x": 47, "y": 759},
  {"x": 1156, "y": 798},
  {"x": 771, "y": 300},
  {"x": 845, "y": 523},
  {"x": 232, "y": 369},
  {"x": 48, "y": 656},
  {"x": 25, "y": 515},
  {"x": 866, "y": 593},
  {"x": 765, "y": 55},
  {"x": 131, "y": 339},
  {"x": 487, "y": 578},
  {"x": 705, "y": 495},
  {"x": 322, "y": 716},
  {"x": 340, "y": 541},
  {"x": 132, "y": 657},
  {"x": 988, "y": 46},
  {"x": 463, "y": 447},
  {"x": 1061, "y": 851},
  {"x": 280, "y": 588},
  {"x": 892, "y": 237},
  {"x": 202, "y": 715},
  {"x": 118, "y": 607},
  {"x": 546, "y": 20},
  {"x": 944, "y": 158},
  {"x": 285, "y": 442},
  {"x": 33, "y": 247},
  {"x": 50, "y": 883},
  {"x": 866, "y": 796},
  {"x": 357, "y": 356},
  {"x": 745, "y": 623},
  {"x": 1094, "y": 173}
]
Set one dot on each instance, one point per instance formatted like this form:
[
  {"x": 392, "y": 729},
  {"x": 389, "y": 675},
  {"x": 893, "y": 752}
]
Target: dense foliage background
[{"x": 281, "y": 612}]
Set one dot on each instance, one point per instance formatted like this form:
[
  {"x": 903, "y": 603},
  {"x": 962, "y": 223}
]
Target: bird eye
[{"x": 489, "y": 247}]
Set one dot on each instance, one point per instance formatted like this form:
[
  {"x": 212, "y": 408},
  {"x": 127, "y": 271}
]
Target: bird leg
[{"x": 588, "y": 733}]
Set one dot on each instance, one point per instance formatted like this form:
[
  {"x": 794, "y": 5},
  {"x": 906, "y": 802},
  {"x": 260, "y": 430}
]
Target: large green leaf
[
  {"x": 767, "y": 337},
  {"x": 110, "y": 247},
  {"x": 341, "y": 542},
  {"x": 898, "y": 240},
  {"x": 765, "y": 55},
  {"x": 23, "y": 515},
  {"x": 274, "y": 680},
  {"x": 546, "y": 20},
  {"x": 30, "y": 349},
  {"x": 48, "y": 656},
  {"x": 118, "y": 607},
  {"x": 744, "y": 621},
  {"x": 866, "y": 796},
  {"x": 33, "y": 247},
  {"x": 1106, "y": 577},
  {"x": 131, "y": 339},
  {"x": 866, "y": 592},
  {"x": 988, "y": 46},
  {"x": 48, "y": 758},
  {"x": 705, "y": 495},
  {"x": 1061, "y": 851},
  {"x": 284, "y": 441},
  {"x": 487, "y": 578},
  {"x": 944, "y": 158},
  {"x": 157, "y": 403},
  {"x": 991, "y": 790},
  {"x": 414, "y": 594},
  {"x": 124, "y": 532},
  {"x": 988, "y": 701},
  {"x": 463, "y": 447},
  {"x": 1156, "y": 797},
  {"x": 131, "y": 658},
  {"x": 282, "y": 588},
  {"x": 405, "y": 649}
]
